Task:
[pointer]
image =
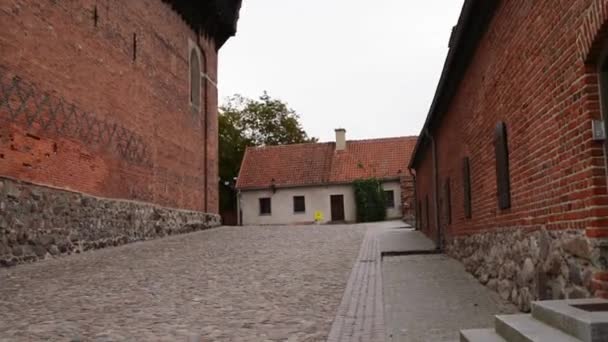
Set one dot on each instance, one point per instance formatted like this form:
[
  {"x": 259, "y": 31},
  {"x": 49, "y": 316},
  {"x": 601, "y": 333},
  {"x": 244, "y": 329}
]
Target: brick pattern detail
[
  {"x": 594, "y": 31},
  {"x": 78, "y": 112},
  {"x": 600, "y": 284},
  {"x": 547, "y": 96}
]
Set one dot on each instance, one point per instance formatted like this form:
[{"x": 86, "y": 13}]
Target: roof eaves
[
  {"x": 238, "y": 178},
  {"x": 472, "y": 23}
]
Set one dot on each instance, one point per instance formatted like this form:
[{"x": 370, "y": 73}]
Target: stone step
[
  {"x": 524, "y": 328},
  {"x": 480, "y": 335},
  {"x": 585, "y": 319}
]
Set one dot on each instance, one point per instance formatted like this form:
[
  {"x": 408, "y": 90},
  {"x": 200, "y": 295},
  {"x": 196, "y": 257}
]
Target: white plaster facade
[{"x": 317, "y": 198}]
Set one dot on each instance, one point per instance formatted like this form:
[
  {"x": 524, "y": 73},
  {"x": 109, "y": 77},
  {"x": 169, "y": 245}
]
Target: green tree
[{"x": 247, "y": 122}]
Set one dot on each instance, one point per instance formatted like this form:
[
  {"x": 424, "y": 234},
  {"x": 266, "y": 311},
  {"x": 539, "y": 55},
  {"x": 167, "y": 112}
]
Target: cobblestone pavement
[
  {"x": 226, "y": 284},
  {"x": 431, "y": 298}
]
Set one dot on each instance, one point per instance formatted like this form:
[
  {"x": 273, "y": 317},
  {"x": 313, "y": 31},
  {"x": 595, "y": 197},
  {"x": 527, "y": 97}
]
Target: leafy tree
[{"x": 246, "y": 122}]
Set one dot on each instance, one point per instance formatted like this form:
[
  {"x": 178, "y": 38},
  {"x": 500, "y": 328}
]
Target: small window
[
  {"x": 419, "y": 215},
  {"x": 299, "y": 204},
  {"x": 503, "y": 183},
  {"x": 448, "y": 201},
  {"x": 427, "y": 224},
  {"x": 389, "y": 195},
  {"x": 466, "y": 181},
  {"x": 195, "y": 79},
  {"x": 265, "y": 206}
]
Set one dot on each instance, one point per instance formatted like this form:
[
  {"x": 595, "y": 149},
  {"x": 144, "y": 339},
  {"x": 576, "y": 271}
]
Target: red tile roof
[{"x": 319, "y": 163}]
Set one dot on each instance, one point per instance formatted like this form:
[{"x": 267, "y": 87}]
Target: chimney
[{"x": 340, "y": 139}]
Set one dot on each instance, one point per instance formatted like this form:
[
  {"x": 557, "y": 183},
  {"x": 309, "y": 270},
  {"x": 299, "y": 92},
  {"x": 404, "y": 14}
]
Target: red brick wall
[
  {"x": 138, "y": 137},
  {"x": 532, "y": 71}
]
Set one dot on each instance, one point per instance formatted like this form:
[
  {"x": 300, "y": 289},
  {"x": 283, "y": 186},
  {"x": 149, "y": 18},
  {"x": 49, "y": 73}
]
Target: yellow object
[{"x": 318, "y": 216}]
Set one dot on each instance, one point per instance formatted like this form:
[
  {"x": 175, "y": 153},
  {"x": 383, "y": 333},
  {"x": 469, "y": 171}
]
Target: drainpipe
[
  {"x": 416, "y": 218},
  {"x": 435, "y": 188}
]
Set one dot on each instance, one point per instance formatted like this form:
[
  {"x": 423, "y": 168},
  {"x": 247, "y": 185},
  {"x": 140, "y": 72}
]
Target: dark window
[
  {"x": 466, "y": 181},
  {"x": 426, "y": 213},
  {"x": 134, "y": 46},
  {"x": 195, "y": 79},
  {"x": 389, "y": 195},
  {"x": 448, "y": 201},
  {"x": 299, "y": 204},
  {"x": 418, "y": 215},
  {"x": 503, "y": 184},
  {"x": 265, "y": 206}
]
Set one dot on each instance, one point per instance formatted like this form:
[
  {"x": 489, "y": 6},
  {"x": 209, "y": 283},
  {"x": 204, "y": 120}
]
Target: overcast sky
[{"x": 370, "y": 67}]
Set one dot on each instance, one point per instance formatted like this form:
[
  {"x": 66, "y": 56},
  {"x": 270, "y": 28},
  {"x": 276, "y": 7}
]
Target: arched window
[{"x": 195, "y": 79}]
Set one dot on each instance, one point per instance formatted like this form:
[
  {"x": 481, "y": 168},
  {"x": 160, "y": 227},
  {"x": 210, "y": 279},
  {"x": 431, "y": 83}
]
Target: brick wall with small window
[
  {"x": 514, "y": 137},
  {"x": 125, "y": 69},
  {"x": 521, "y": 116}
]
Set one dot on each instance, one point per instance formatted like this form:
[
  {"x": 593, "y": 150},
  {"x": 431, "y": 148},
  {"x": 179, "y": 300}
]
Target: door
[{"x": 337, "y": 207}]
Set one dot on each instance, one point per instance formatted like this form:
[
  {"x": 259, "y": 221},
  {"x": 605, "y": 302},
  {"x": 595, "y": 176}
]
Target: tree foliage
[
  {"x": 370, "y": 200},
  {"x": 252, "y": 122}
]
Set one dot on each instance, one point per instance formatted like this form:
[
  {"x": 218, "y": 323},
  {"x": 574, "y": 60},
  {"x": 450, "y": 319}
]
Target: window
[
  {"x": 265, "y": 206},
  {"x": 448, "y": 201},
  {"x": 389, "y": 195},
  {"x": 503, "y": 184},
  {"x": 195, "y": 79},
  {"x": 419, "y": 215},
  {"x": 426, "y": 213},
  {"x": 299, "y": 204},
  {"x": 466, "y": 181}
]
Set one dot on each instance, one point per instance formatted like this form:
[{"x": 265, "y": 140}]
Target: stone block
[
  {"x": 578, "y": 246},
  {"x": 12, "y": 191},
  {"x": 528, "y": 271}
]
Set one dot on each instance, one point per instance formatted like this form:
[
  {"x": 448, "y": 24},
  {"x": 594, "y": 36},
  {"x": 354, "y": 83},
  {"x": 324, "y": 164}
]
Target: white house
[{"x": 301, "y": 183}]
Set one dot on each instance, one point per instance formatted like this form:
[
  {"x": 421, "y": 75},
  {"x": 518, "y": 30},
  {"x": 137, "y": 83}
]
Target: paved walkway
[
  {"x": 226, "y": 284},
  {"x": 431, "y": 297},
  {"x": 249, "y": 284}
]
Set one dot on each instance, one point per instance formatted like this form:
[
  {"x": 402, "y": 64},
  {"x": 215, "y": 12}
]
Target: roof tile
[{"x": 319, "y": 163}]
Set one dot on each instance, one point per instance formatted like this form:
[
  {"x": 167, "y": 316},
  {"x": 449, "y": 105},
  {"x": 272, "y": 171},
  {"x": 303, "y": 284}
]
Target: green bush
[{"x": 370, "y": 200}]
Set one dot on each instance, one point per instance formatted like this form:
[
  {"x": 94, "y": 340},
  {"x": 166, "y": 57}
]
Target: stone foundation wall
[
  {"x": 523, "y": 266},
  {"x": 38, "y": 222}
]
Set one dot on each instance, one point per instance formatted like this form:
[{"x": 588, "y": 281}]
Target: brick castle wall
[
  {"x": 534, "y": 69},
  {"x": 94, "y": 98}
]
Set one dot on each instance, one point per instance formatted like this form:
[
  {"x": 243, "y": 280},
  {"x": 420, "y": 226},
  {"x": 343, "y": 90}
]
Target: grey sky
[{"x": 368, "y": 66}]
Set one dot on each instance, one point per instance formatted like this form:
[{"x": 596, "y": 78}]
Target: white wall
[{"x": 316, "y": 199}]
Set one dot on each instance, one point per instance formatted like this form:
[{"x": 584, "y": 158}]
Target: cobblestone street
[{"x": 226, "y": 284}]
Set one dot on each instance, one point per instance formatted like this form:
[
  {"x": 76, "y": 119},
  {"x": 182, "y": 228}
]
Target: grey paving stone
[{"x": 432, "y": 298}]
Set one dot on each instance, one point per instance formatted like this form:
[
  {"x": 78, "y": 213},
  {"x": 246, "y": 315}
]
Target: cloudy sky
[{"x": 368, "y": 66}]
